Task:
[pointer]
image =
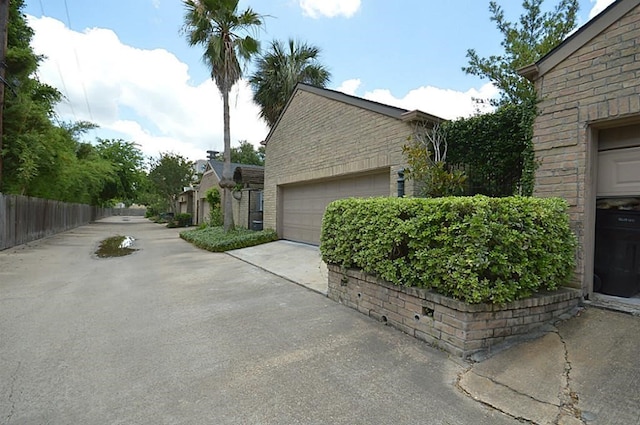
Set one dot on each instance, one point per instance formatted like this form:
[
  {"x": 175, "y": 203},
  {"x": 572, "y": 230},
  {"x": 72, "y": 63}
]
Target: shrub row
[
  {"x": 180, "y": 220},
  {"x": 475, "y": 249},
  {"x": 215, "y": 239}
]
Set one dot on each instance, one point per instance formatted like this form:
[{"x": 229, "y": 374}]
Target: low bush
[
  {"x": 215, "y": 239},
  {"x": 475, "y": 249},
  {"x": 180, "y": 220}
]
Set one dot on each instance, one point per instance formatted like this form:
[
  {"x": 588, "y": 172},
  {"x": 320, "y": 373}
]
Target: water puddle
[{"x": 116, "y": 246}]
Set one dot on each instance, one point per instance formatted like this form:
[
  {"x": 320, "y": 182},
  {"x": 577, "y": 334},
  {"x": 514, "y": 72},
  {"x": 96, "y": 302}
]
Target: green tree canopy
[
  {"x": 245, "y": 153},
  {"x": 279, "y": 70},
  {"x": 51, "y": 161},
  {"x": 30, "y": 140},
  {"x": 169, "y": 174},
  {"x": 524, "y": 42},
  {"x": 127, "y": 162}
]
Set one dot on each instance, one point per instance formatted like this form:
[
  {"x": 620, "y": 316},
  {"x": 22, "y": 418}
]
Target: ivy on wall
[{"x": 496, "y": 150}]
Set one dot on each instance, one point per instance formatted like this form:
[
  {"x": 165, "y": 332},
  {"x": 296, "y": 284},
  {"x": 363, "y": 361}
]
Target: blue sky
[{"x": 124, "y": 65}]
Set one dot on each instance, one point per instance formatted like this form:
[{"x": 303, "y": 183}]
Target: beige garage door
[
  {"x": 303, "y": 205},
  {"x": 619, "y": 162}
]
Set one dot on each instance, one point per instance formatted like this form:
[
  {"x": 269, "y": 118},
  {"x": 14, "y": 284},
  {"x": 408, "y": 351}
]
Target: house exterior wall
[
  {"x": 319, "y": 138},
  {"x": 185, "y": 202},
  {"x": 209, "y": 180},
  {"x": 595, "y": 87},
  {"x": 241, "y": 208}
]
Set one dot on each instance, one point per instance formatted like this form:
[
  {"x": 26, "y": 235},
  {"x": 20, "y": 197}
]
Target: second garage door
[
  {"x": 303, "y": 205},
  {"x": 619, "y": 162}
]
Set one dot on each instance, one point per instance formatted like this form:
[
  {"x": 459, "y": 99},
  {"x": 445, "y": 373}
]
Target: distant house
[
  {"x": 186, "y": 201},
  {"x": 587, "y": 138},
  {"x": 250, "y": 181},
  {"x": 328, "y": 145}
]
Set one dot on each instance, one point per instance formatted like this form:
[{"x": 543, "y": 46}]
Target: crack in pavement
[
  {"x": 459, "y": 386},
  {"x": 513, "y": 399},
  {"x": 12, "y": 402},
  {"x": 568, "y": 398}
]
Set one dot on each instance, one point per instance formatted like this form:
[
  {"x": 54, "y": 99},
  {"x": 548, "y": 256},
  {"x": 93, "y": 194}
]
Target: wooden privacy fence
[{"x": 24, "y": 219}]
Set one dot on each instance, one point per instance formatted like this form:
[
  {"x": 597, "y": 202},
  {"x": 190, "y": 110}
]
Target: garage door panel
[
  {"x": 303, "y": 205},
  {"x": 619, "y": 172}
]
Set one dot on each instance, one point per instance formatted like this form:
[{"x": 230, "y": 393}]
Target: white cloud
[
  {"x": 145, "y": 95},
  {"x": 329, "y": 8},
  {"x": 350, "y": 86},
  {"x": 599, "y": 6},
  {"x": 444, "y": 103}
]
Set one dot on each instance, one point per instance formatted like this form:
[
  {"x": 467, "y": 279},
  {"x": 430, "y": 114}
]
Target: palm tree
[
  {"x": 217, "y": 26},
  {"x": 279, "y": 70}
]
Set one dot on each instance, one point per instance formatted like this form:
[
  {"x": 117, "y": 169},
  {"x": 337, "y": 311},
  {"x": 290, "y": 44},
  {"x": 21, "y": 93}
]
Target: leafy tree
[
  {"x": 279, "y": 70},
  {"x": 497, "y": 148},
  {"x": 28, "y": 135},
  {"x": 84, "y": 173},
  {"x": 217, "y": 25},
  {"x": 245, "y": 153},
  {"x": 168, "y": 175},
  {"x": 426, "y": 155},
  {"x": 50, "y": 161},
  {"x": 525, "y": 41},
  {"x": 128, "y": 162}
]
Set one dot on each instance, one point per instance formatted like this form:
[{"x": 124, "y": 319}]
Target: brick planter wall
[{"x": 457, "y": 327}]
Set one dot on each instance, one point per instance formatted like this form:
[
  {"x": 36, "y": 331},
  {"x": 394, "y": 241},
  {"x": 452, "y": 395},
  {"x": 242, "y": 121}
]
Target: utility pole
[{"x": 4, "y": 23}]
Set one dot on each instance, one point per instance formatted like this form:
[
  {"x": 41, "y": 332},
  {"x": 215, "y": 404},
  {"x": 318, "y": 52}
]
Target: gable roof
[
  {"x": 578, "y": 39},
  {"x": 218, "y": 166},
  {"x": 358, "y": 102}
]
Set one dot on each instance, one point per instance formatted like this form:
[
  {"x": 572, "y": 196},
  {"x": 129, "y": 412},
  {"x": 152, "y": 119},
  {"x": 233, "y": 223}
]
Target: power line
[
  {"x": 65, "y": 91},
  {"x": 75, "y": 52}
]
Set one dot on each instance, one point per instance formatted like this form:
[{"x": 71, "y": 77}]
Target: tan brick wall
[
  {"x": 597, "y": 83},
  {"x": 457, "y": 327},
  {"x": 319, "y": 138},
  {"x": 208, "y": 180}
]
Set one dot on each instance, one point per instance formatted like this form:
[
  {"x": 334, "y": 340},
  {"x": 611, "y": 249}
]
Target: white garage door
[
  {"x": 619, "y": 172},
  {"x": 303, "y": 205},
  {"x": 619, "y": 162}
]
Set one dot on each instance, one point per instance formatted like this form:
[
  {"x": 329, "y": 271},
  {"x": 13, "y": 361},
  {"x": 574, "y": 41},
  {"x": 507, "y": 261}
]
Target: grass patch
[{"x": 215, "y": 239}]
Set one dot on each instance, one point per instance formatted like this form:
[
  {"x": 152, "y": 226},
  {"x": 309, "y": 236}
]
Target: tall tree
[
  {"x": 28, "y": 133},
  {"x": 524, "y": 42},
  {"x": 223, "y": 31},
  {"x": 168, "y": 175},
  {"x": 279, "y": 70},
  {"x": 127, "y": 161}
]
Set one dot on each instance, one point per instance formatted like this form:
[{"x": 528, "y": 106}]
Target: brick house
[
  {"x": 247, "y": 203},
  {"x": 186, "y": 204},
  {"x": 587, "y": 135},
  {"x": 328, "y": 145}
]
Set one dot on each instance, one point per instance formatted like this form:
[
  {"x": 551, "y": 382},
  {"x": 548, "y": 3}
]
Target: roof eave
[
  {"x": 580, "y": 37},
  {"x": 417, "y": 115},
  {"x": 530, "y": 72}
]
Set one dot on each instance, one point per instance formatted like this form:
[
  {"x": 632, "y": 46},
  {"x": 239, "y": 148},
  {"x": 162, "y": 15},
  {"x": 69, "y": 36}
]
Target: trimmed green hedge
[
  {"x": 475, "y": 249},
  {"x": 215, "y": 239}
]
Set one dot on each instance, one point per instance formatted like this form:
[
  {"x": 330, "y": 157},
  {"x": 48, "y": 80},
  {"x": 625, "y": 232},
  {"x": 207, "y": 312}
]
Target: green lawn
[{"x": 216, "y": 240}]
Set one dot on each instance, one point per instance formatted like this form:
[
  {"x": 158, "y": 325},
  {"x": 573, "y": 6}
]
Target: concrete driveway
[{"x": 176, "y": 335}]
